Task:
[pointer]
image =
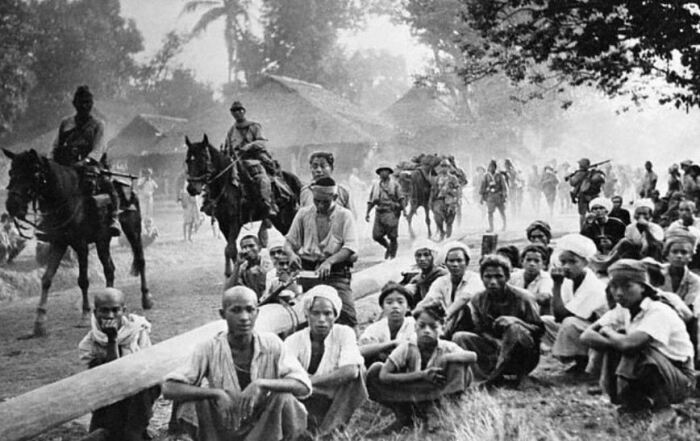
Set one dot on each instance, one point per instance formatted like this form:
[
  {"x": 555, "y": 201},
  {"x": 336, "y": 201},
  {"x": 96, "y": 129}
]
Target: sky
[{"x": 206, "y": 54}]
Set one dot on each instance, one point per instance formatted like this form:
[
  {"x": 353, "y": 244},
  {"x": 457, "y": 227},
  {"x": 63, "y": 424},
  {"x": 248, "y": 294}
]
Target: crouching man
[
  {"x": 648, "y": 356},
  {"x": 507, "y": 327},
  {"x": 329, "y": 353},
  {"x": 253, "y": 385},
  {"x": 419, "y": 372},
  {"x": 115, "y": 334}
]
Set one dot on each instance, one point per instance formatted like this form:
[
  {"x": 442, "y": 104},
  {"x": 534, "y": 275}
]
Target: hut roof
[
  {"x": 115, "y": 114},
  {"x": 420, "y": 107},
  {"x": 149, "y": 134},
  {"x": 295, "y": 113}
]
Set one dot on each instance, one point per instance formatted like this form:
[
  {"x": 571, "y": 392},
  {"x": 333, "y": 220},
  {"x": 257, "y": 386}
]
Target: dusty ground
[{"x": 186, "y": 280}]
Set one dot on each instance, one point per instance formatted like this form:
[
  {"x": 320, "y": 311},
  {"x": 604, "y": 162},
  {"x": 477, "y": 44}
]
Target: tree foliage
[
  {"x": 607, "y": 44},
  {"x": 16, "y": 44},
  {"x": 79, "y": 42}
]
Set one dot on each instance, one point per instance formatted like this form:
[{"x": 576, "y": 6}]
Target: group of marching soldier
[{"x": 617, "y": 299}]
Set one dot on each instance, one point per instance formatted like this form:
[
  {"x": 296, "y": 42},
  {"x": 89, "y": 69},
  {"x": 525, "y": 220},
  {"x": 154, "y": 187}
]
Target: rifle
[
  {"x": 118, "y": 174},
  {"x": 597, "y": 164},
  {"x": 275, "y": 294}
]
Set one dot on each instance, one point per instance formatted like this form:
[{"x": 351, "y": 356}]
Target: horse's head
[
  {"x": 27, "y": 181},
  {"x": 199, "y": 165}
]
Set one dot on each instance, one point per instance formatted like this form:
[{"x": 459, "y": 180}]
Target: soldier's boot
[{"x": 266, "y": 197}]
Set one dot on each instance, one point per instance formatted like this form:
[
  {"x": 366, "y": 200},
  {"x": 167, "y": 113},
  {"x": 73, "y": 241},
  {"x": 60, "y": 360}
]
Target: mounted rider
[
  {"x": 80, "y": 144},
  {"x": 245, "y": 142}
]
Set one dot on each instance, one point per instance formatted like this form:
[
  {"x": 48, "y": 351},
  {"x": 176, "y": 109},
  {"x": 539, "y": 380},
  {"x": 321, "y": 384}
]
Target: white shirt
[
  {"x": 660, "y": 322},
  {"x": 541, "y": 287},
  {"x": 587, "y": 299},
  {"x": 340, "y": 349},
  {"x": 441, "y": 289},
  {"x": 633, "y": 234},
  {"x": 378, "y": 332}
]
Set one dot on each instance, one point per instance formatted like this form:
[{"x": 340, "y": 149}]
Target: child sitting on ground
[
  {"x": 384, "y": 335},
  {"x": 115, "y": 334},
  {"x": 419, "y": 372}
]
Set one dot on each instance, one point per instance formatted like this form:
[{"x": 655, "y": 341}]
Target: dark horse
[
  {"x": 416, "y": 184},
  {"x": 208, "y": 168},
  {"x": 73, "y": 221}
]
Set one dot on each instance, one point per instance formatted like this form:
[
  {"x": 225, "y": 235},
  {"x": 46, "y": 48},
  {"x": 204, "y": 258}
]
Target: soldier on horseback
[
  {"x": 80, "y": 144},
  {"x": 245, "y": 142}
]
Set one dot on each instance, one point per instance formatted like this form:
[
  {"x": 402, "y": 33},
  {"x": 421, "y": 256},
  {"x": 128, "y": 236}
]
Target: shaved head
[
  {"x": 238, "y": 292},
  {"x": 109, "y": 295}
]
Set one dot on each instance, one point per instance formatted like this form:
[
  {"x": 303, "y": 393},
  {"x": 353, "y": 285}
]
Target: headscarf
[
  {"x": 539, "y": 225},
  {"x": 676, "y": 235},
  {"x": 602, "y": 202},
  {"x": 577, "y": 244},
  {"x": 644, "y": 203},
  {"x": 324, "y": 187},
  {"x": 425, "y": 244},
  {"x": 630, "y": 269},
  {"x": 323, "y": 292}
]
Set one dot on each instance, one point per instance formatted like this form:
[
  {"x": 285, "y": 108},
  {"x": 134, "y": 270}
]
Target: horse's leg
[
  {"x": 105, "y": 257},
  {"x": 55, "y": 254},
  {"x": 427, "y": 219},
  {"x": 231, "y": 251},
  {"x": 131, "y": 227},
  {"x": 83, "y": 282},
  {"x": 263, "y": 235}
]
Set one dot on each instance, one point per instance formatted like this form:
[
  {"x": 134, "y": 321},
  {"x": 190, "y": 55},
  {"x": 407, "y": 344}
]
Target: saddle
[{"x": 245, "y": 173}]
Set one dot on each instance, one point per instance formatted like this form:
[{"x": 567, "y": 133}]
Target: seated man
[
  {"x": 618, "y": 212},
  {"x": 280, "y": 284},
  {"x": 454, "y": 290},
  {"x": 648, "y": 355},
  {"x": 539, "y": 232},
  {"x": 598, "y": 223},
  {"x": 643, "y": 238},
  {"x": 421, "y": 371},
  {"x": 533, "y": 276},
  {"x": 115, "y": 334},
  {"x": 330, "y": 355},
  {"x": 578, "y": 299},
  {"x": 253, "y": 387},
  {"x": 688, "y": 221},
  {"x": 425, "y": 253},
  {"x": 679, "y": 247},
  {"x": 382, "y": 336},
  {"x": 507, "y": 327},
  {"x": 251, "y": 270}
]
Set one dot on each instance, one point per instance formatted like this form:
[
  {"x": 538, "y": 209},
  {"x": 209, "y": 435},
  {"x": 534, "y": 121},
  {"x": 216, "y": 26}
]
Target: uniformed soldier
[{"x": 389, "y": 201}]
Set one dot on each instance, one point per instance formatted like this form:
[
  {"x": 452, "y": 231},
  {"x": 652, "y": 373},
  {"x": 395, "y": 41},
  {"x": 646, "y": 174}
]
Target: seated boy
[
  {"x": 533, "y": 277},
  {"x": 425, "y": 253},
  {"x": 330, "y": 355},
  {"x": 253, "y": 387},
  {"x": 507, "y": 327},
  {"x": 250, "y": 271},
  {"x": 578, "y": 299},
  {"x": 115, "y": 334},
  {"x": 384, "y": 335},
  {"x": 648, "y": 355},
  {"x": 421, "y": 371},
  {"x": 280, "y": 283}
]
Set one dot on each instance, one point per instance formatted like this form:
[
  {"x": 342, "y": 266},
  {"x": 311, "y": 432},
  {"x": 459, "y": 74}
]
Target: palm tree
[{"x": 235, "y": 12}]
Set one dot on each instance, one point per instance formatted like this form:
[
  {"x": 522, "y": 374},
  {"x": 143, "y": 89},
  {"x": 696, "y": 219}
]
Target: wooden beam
[{"x": 28, "y": 415}]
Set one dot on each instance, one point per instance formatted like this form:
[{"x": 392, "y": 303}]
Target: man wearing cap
[
  {"x": 389, "y": 201},
  {"x": 245, "y": 141},
  {"x": 425, "y": 253},
  {"x": 80, "y": 143},
  {"x": 445, "y": 197},
  {"x": 322, "y": 165},
  {"x": 253, "y": 387},
  {"x": 578, "y": 299},
  {"x": 330, "y": 354},
  {"x": 586, "y": 184},
  {"x": 648, "y": 355},
  {"x": 598, "y": 223},
  {"x": 494, "y": 191},
  {"x": 323, "y": 239}
]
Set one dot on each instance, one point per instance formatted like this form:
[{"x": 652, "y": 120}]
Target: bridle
[{"x": 206, "y": 178}]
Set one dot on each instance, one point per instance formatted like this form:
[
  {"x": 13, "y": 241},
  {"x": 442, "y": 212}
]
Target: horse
[
  {"x": 210, "y": 169},
  {"x": 416, "y": 184},
  {"x": 73, "y": 220}
]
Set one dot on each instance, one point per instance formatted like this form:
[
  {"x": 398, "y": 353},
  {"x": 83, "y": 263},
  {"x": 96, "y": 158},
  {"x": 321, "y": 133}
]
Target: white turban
[
  {"x": 450, "y": 246},
  {"x": 644, "y": 203},
  {"x": 602, "y": 202},
  {"x": 323, "y": 292},
  {"x": 276, "y": 242},
  {"x": 576, "y": 244},
  {"x": 425, "y": 244}
]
